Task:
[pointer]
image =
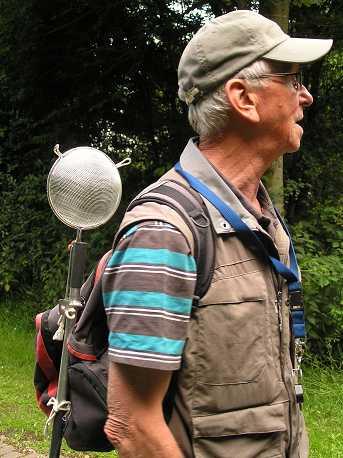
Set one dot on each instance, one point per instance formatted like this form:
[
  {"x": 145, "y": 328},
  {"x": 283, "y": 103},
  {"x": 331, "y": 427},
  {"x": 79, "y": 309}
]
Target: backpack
[{"x": 88, "y": 341}]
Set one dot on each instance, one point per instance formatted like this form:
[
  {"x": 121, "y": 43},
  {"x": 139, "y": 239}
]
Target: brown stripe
[
  {"x": 147, "y": 326},
  {"x": 146, "y": 281},
  {"x": 175, "y": 241}
]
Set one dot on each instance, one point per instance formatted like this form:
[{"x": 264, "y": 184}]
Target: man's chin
[
  {"x": 294, "y": 147},
  {"x": 296, "y": 143},
  {"x": 293, "y": 150}
]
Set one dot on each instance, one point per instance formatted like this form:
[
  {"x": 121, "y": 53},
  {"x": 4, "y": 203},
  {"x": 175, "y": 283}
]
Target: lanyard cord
[{"x": 291, "y": 275}]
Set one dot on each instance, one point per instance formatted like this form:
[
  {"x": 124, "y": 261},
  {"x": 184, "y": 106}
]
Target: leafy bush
[
  {"x": 33, "y": 246},
  {"x": 34, "y": 256},
  {"x": 30, "y": 239},
  {"x": 322, "y": 278},
  {"x": 319, "y": 244}
]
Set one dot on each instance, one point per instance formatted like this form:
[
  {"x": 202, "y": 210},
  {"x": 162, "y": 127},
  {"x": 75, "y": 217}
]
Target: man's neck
[{"x": 241, "y": 163}]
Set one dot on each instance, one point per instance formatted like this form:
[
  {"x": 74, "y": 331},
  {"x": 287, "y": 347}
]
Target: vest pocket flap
[
  {"x": 249, "y": 287},
  {"x": 256, "y": 420}
]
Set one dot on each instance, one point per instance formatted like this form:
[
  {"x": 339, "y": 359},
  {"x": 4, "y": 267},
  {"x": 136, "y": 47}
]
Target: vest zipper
[
  {"x": 278, "y": 302},
  {"x": 278, "y": 288},
  {"x": 277, "y": 282}
]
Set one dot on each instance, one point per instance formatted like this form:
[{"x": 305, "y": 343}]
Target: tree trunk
[{"x": 278, "y": 11}]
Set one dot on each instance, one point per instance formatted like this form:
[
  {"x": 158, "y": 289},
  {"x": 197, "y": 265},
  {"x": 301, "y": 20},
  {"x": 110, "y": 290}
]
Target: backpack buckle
[
  {"x": 63, "y": 304},
  {"x": 295, "y": 298},
  {"x": 199, "y": 218},
  {"x": 297, "y": 373},
  {"x": 68, "y": 307},
  {"x": 299, "y": 393}
]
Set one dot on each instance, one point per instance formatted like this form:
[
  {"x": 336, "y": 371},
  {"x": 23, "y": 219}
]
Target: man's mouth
[{"x": 300, "y": 122}]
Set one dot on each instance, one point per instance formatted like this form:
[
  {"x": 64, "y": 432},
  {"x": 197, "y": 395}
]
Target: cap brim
[{"x": 299, "y": 50}]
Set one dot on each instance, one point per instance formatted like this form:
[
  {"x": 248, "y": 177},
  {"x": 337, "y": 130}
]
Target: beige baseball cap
[{"x": 228, "y": 43}]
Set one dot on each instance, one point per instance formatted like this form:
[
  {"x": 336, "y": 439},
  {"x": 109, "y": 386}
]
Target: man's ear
[{"x": 242, "y": 100}]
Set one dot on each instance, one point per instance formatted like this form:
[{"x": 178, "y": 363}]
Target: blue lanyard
[{"x": 291, "y": 275}]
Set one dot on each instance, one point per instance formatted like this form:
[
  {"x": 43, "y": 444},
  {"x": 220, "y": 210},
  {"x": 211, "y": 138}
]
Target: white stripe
[
  {"x": 144, "y": 359},
  {"x": 150, "y": 315},
  {"x": 146, "y": 267},
  {"x": 158, "y": 229},
  {"x": 150, "y": 271},
  {"x": 142, "y": 353},
  {"x": 160, "y": 223},
  {"x": 154, "y": 311}
]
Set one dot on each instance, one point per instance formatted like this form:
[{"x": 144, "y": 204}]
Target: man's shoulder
[{"x": 162, "y": 205}]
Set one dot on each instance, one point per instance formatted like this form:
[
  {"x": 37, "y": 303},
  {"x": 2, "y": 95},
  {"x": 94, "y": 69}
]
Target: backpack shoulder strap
[
  {"x": 189, "y": 205},
  {"x": 92, "y": 316},
  {"x": 101, "y": 266}
]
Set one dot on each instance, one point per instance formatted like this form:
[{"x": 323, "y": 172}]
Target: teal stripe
[
  {"x": 151, "y": 256},
  {"x": 147, "y": 299},
  {"x": 145, "y": 343}
]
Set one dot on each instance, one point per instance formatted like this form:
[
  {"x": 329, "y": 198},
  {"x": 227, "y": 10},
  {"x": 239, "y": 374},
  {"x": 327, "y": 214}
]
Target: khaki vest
[{"x": 235, "y": 393}]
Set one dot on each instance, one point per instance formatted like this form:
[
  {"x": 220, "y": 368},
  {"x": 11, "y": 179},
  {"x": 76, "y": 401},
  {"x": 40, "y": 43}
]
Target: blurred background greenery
[{"x": 104, "y": 74}]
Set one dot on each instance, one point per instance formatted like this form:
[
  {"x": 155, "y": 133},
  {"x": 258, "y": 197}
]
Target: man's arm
[
  {"x": 135, "y": 424},
  {"x": 148, "y": 288}
]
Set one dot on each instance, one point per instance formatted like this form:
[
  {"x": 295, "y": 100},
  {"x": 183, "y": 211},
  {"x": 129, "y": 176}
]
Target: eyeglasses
[{"x": 297, "y": 80}]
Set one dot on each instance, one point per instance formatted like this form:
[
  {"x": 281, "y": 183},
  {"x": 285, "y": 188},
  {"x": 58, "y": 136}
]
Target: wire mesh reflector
[{"x": 84, "y": 188}]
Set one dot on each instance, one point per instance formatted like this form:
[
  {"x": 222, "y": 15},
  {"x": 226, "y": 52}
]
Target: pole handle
[{"x": 78, "y": 264}]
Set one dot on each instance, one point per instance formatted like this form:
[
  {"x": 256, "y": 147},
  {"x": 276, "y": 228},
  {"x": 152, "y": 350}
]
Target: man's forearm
[
  {"x": 147, "y": 438},
  {"x": 135, "y": 423}
]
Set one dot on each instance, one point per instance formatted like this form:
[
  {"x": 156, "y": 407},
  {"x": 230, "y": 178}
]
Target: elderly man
[{"x": 231, "y": 354}]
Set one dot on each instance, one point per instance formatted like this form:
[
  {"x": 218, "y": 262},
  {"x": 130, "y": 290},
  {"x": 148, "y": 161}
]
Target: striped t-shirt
[{"x": 148, "y": 288}]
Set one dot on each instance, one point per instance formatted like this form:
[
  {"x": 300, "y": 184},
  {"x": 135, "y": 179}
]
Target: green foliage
[
  {"x": 31, "y": 254},
  {"x": 323, "y": 410},
  {"x": 307, "y": 2},
  {"x": 313, "y": 185},
  {"x": 104, "y": 73},
  {"x": 324, "y": 300},
  {"x": 319, "y": 244},
  {"x": 22, "y": 423},
  {"x": 33, "y": 245}
]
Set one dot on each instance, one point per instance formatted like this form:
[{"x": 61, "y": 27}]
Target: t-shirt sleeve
[{"x": 148, "y": 289}]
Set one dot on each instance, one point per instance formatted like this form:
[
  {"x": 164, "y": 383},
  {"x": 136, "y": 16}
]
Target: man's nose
[{"x": 306, "y": 98}]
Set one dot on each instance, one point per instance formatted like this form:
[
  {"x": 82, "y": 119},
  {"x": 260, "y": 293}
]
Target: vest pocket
[
  {"x": 247, "y": 433},
  {"x": 231, "y": 331}
]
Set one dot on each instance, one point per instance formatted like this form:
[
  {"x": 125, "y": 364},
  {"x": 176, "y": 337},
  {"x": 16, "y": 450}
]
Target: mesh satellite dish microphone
[
  {"x": 84, "y": 191},
  {"x": 84, "y": 187}
]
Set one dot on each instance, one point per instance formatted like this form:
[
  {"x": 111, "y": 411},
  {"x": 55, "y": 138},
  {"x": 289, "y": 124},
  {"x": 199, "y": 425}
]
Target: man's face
[{"x": 281, "y": 109}]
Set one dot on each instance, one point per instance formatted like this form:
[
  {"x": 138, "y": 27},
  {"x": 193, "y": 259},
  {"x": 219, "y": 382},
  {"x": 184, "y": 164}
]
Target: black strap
[{"x": 189, "y": 205}]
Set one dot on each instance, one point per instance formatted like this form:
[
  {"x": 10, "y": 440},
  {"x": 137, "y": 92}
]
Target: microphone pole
[{"x": 68, "y": 309}]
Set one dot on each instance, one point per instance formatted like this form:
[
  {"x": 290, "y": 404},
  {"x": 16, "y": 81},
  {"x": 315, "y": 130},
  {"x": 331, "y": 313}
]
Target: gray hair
[{"x": 210, "y": 115}]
